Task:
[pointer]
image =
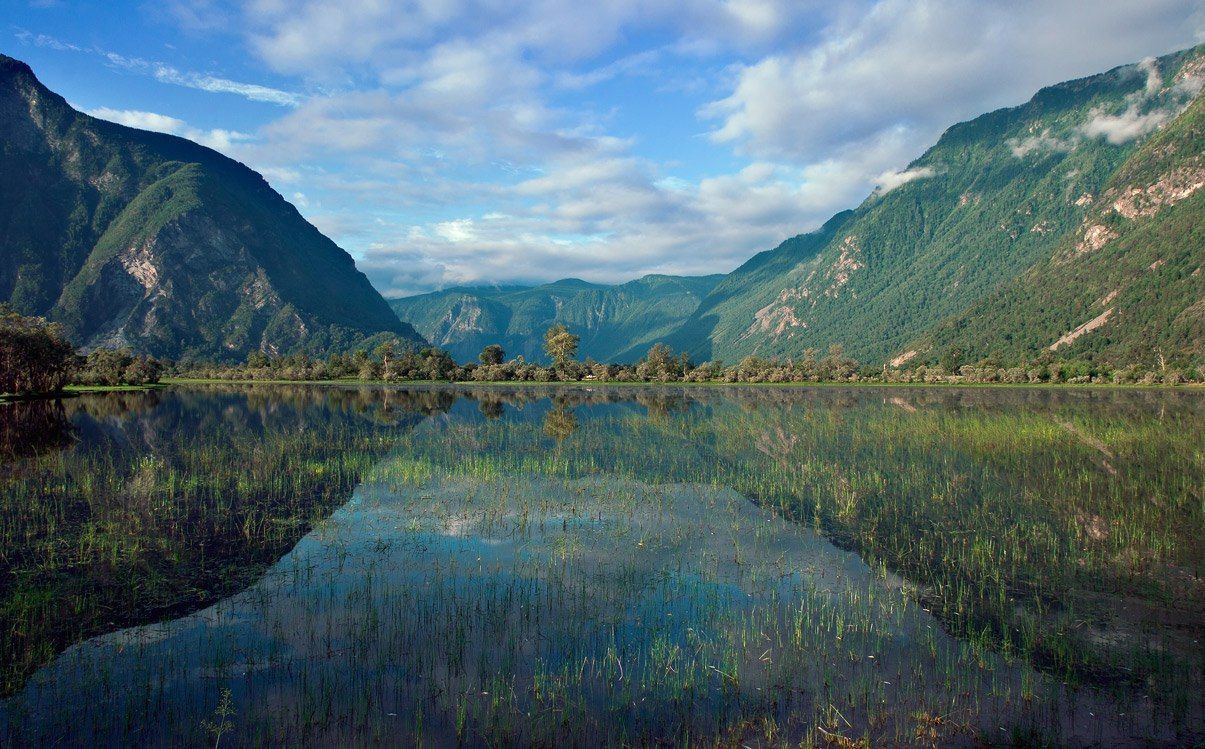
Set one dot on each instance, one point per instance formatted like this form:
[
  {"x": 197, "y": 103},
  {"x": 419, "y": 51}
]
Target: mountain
[
  {"x": 1126, "y": 285},
  {"x": 615, "y": 323},
  {"x": 975, "y": 247},
  {"x": 140, "y": 239}
]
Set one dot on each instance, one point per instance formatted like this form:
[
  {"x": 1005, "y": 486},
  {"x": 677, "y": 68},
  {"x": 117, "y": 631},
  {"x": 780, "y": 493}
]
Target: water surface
[{"x": 621, "y": 565}]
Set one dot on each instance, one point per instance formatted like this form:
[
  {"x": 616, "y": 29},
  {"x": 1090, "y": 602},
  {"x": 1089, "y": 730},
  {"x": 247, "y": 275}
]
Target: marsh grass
[{"x": 1027, "y": 568}]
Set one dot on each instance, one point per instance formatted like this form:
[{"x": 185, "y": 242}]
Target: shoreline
[
  {"x": 641, "y": 383},
  {"x": 72, "y": 391}
]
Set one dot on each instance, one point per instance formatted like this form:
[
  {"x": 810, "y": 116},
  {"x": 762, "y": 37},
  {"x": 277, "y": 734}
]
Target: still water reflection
[{"x": 552, "y": 565}]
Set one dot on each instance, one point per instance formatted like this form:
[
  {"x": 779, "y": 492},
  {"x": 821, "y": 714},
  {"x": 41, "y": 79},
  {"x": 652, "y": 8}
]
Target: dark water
[{"x": 748, "y": 566}]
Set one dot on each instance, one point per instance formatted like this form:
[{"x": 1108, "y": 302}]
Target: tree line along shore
[{"x": 36, "y": 358}]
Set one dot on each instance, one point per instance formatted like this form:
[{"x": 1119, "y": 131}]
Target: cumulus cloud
[
  {"x": 924, "y": 64},
  {"x": 320, "y": 37},
  {"x": 218, "y": 139},
  {"x": 456, "y": 141},
  {"x": 609, "y": 219}
]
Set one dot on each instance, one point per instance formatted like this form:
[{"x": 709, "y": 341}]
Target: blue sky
[{"x": 445, "y": 142}]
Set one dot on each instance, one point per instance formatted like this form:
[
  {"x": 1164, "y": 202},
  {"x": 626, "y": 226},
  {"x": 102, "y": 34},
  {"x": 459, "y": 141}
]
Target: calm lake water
[{"x": 500, "y": 566}]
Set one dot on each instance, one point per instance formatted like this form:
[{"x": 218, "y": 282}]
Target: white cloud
[
  {"x": 922, "y": 65},
  {"x": 323, "y": 38},
  {"x": 1145, "y": 111},
  {"x": 43, "y": 40},
  {"x": 167, "y": 74},
  {"x": 1127, "y": 126},
  {"x": 609, "y": 219},
  {"x": 453, "y": 141},
  {"x": 218, "y": 139},
  {"x": 457, "y": 231},
  {"x": 1043, "y": 142},
  {"x": 888, "y": 181},
  {"x": 202, "y": 82}
]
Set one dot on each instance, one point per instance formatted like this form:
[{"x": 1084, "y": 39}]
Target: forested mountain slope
[
  {"x": 139, "y": 239},
  {"x": 615, "y": 323},
  {"x": 977, "y": 214},
  {"x": 1126, "y": 286}
]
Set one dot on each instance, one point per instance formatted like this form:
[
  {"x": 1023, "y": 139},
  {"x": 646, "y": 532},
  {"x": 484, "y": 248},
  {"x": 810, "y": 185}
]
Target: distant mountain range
[
  {"x": 1069, "y": 226},
  {"x": 615, "y": 323},
  {"x": 139, "y": 239}
]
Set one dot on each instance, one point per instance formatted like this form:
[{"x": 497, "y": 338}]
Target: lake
[{"x": 748, "y": 566}]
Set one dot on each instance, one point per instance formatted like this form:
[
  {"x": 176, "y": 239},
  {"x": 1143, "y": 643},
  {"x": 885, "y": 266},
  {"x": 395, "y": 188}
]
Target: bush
[{"x": 108, "y": 367}]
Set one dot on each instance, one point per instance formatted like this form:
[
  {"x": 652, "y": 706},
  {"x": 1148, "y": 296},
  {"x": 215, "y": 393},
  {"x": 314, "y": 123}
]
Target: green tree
[
  {"x": 951, "y": 360},
  {"x": 660, "y": 364},
  {"x": 560, "y": 345},
  {"x": 836, "y": 365},
  {"x": 256, "y": 360},
  {"x": 35, "y": 357},
  {"x": 492, "y": 354},
  {"x": 385, "y": 352}
]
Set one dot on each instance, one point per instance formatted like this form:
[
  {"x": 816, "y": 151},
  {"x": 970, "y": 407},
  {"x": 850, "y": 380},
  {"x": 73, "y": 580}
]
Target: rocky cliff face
[{"x": 139, "y": 239}]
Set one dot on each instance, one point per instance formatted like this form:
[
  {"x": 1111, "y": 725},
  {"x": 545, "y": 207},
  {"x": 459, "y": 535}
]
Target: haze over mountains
[
  {"x": 616, "y": 323},
  {"x": 1069, "y": 226}
]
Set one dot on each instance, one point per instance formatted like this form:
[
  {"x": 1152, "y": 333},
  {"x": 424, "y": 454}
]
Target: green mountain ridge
[
  {"x": 993, "y": 199},
  {"x": 972, "y": 257},
  {"x": 1126, "y": 285},
  {"x": 616, "y": 323},
  {"x": 141, "y": 239},
  {"x": 1068, "y": 227}
]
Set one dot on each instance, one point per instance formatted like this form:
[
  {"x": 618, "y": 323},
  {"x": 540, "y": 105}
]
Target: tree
[
  {"x": 256, "y": 360},
  {"x": 492, "y": 354},
  {"x": 437, "y": 364},
  {"x": 35, "y": 356},
  {"x": 660, "y": 364},
  {"x": 951, "y": 360},
  {"x": 385, "y": 351},
  {"x": 142, "y": 371},
  {"x": 560, "y": 345},
  {"x": 836, "y": 365}
]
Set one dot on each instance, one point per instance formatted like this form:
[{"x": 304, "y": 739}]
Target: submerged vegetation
[{"x": 561, "y": 564}]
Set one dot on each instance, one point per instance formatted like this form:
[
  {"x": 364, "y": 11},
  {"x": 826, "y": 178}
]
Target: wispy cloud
[
  {"x": 165, "y": 73},
  {"x": 203, "y": 82},
  {"x": 42, "y": 40},
  {"x": 1043, "y": 142}
]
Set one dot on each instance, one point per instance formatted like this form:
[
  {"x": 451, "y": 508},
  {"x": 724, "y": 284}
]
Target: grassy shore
[{"x": 680, "y": 383}]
